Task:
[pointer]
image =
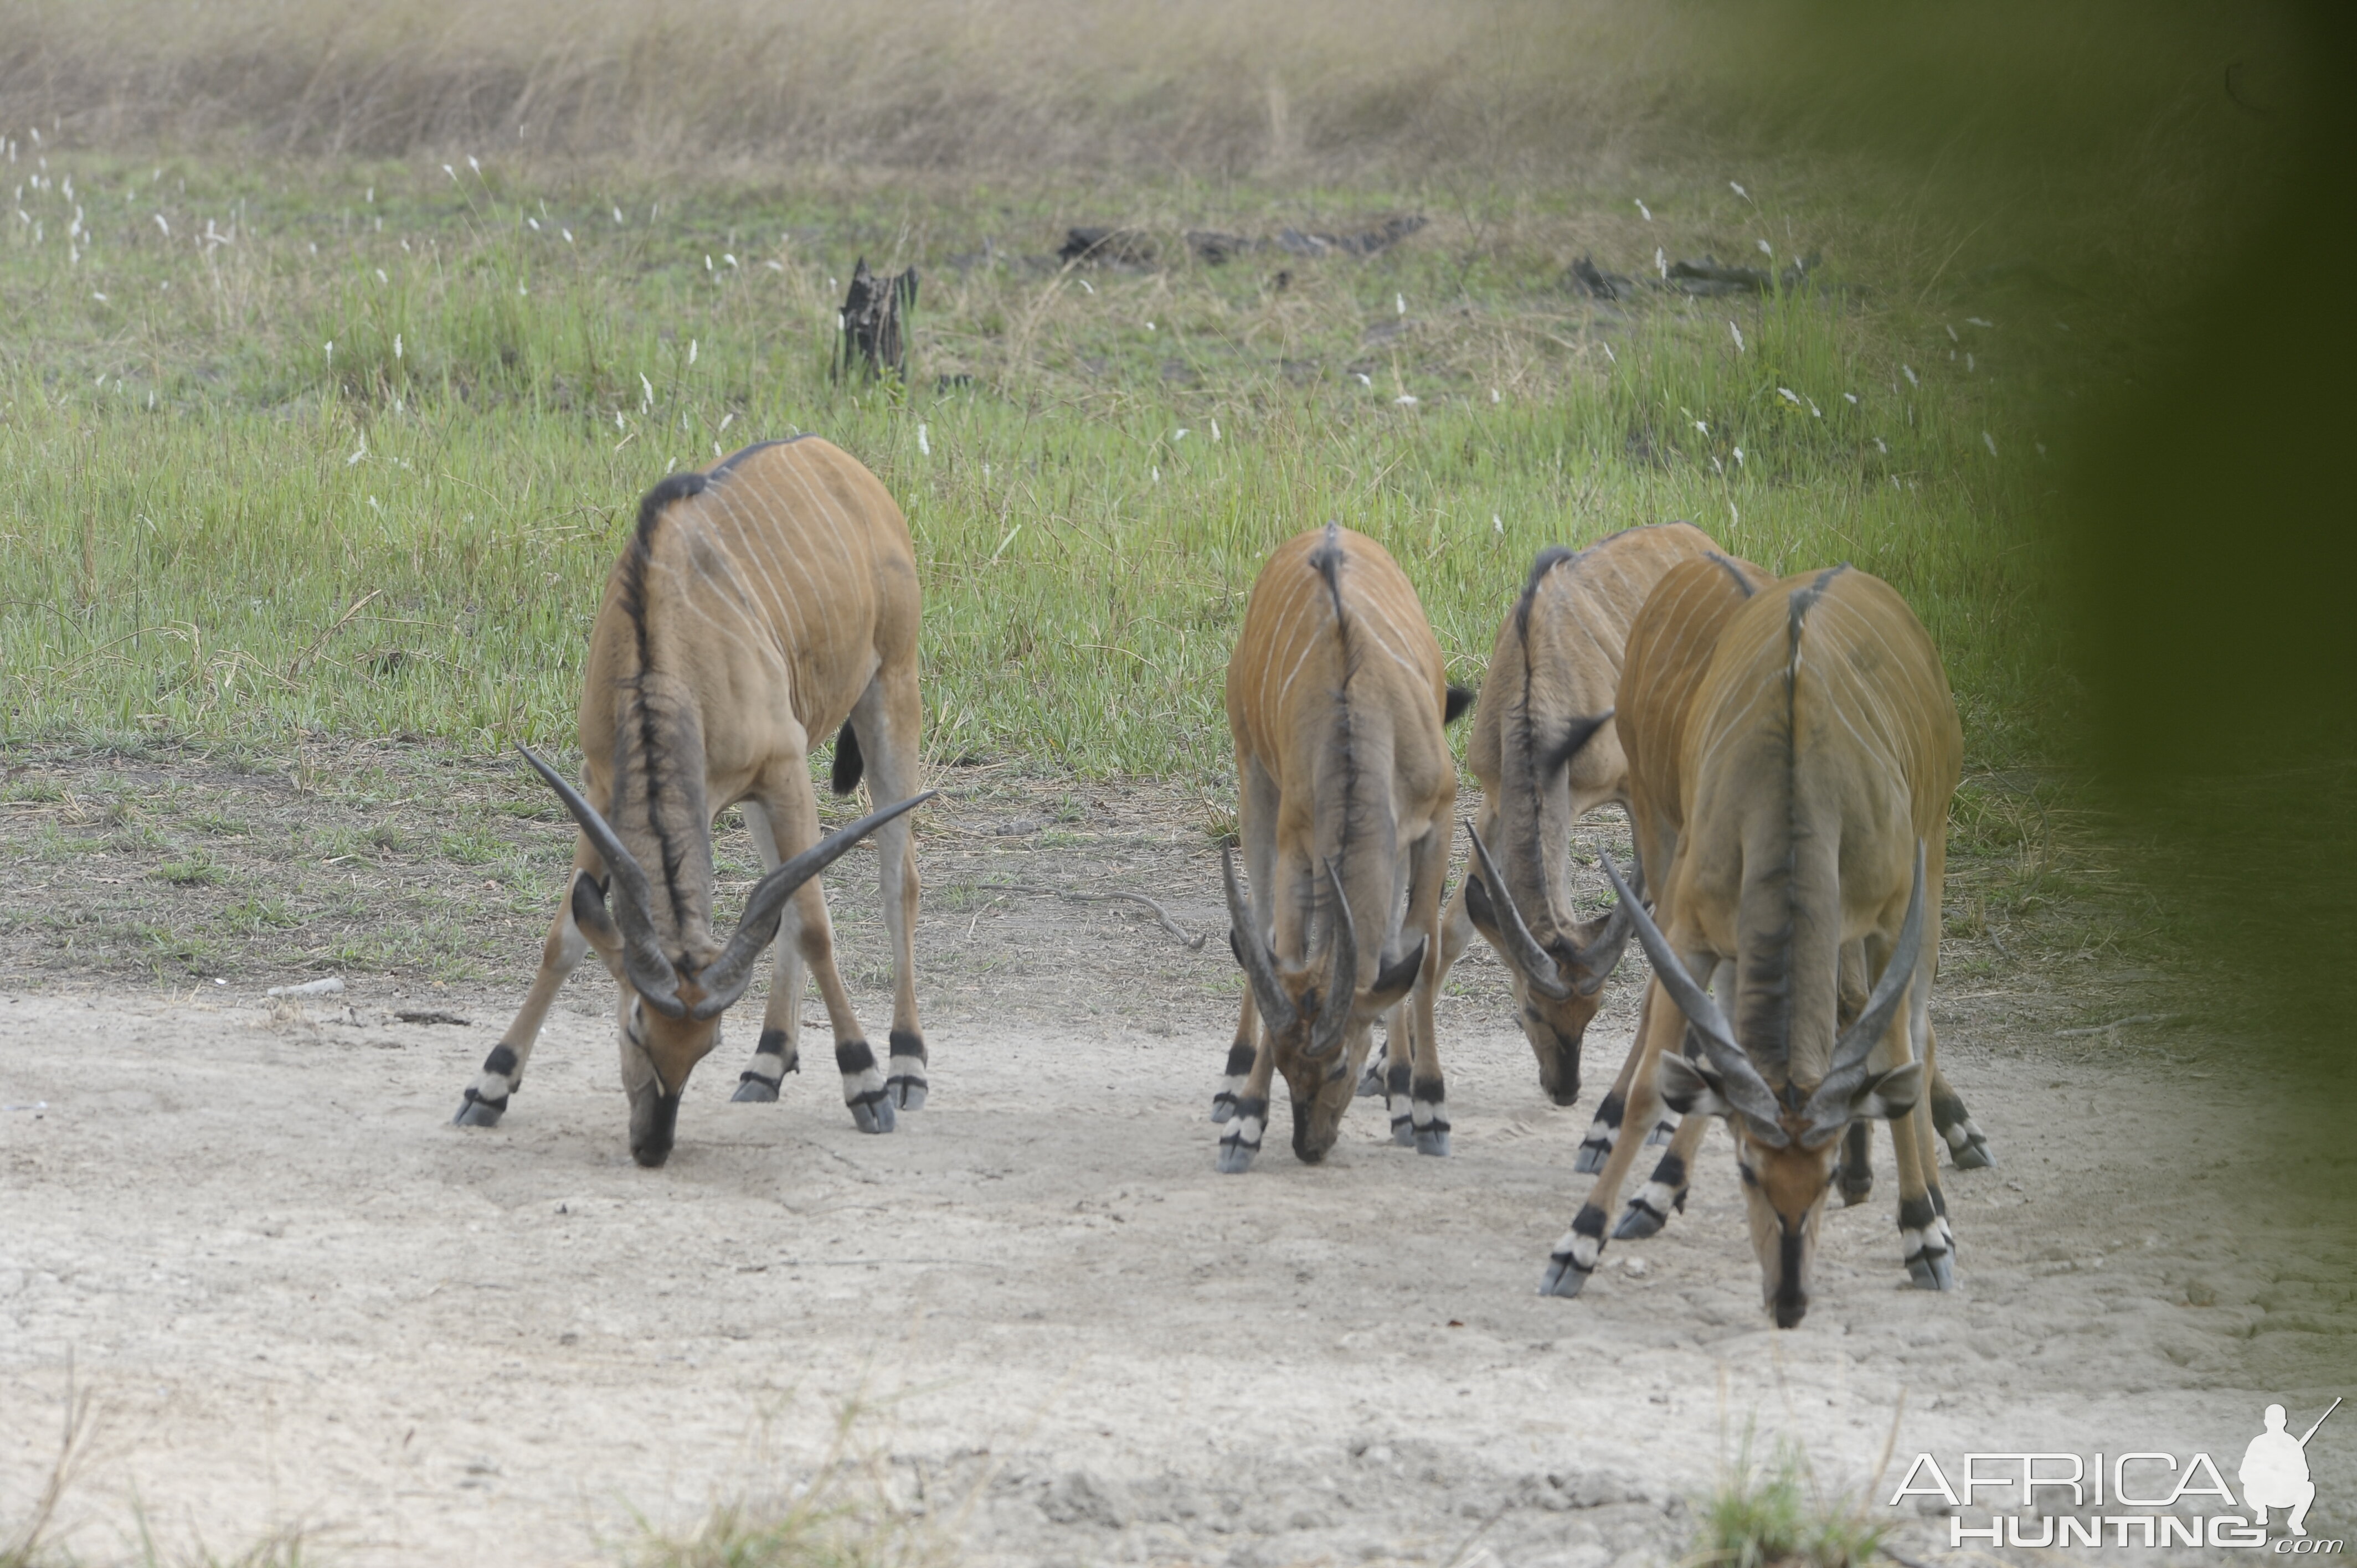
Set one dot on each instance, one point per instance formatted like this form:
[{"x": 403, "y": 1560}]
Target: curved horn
[
  {"x": 1595, "y": 963},
  {"x": 724, "y": 978},
  {"x": 1539, "y": 969},
  {"x": 1260, "y": 964},
  {"x": 1741, "y": 1083},
  {"x": 1846, "y": 1070},
  {"x": 650, "y": 970},
  {"x": 1342, "y": 975}
]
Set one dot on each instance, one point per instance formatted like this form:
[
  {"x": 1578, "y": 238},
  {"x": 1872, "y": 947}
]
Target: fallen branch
[
  {"x": 1161, "y": 916},
  {"x": 2116, "y": 1023}
]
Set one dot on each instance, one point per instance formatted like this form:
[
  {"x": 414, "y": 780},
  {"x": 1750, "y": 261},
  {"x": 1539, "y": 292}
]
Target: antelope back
[
  {"x": 1556, "y": 666},
  {"x": 1292, "y": 680},
  {"x": 1821, "y": 746},
  {"x": 750, "y": 609},
  {"x": 1669, "y": 650}
]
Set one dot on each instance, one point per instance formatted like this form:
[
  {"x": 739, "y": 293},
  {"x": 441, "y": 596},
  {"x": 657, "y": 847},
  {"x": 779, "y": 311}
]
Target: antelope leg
[{"x": 487, "y": 1098}]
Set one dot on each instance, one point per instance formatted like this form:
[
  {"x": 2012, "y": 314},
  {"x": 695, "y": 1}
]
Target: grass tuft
[{"x": 1770, "y": 1514}]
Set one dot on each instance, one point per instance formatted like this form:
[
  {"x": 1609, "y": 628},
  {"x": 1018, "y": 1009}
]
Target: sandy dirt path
[{"x": 299, "y": 1296}]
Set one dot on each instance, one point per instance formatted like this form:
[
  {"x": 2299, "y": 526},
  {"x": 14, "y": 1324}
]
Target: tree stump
[{"x": 873, "y": 344}]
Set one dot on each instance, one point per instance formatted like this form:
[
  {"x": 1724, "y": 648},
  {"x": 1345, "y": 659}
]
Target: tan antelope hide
[
  {"x": 758, "y": 607},
  {"x": 1336, "y": 696},
  {"x": 1547, "y": 751},
  {"x": 1816, "y": 758},
  {"x": 1670, "y": 648}
]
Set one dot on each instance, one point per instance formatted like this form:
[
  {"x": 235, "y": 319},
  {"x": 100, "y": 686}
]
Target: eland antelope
[
  {"x": 1670, "y": 648},
  {"x": 1337, "y": 699},
  {"x": 770, "y": 600},
  {"x": 1545, "y": 750},
  {"x": 1815, "y": 756}
]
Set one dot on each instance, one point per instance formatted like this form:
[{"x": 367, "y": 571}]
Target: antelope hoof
[
  {"x": 1936, "y": 1271},
  {"x": 1432, "y": 1141},
  {"x": 872, "y": 1111},
  {"x": 1591, "y": 1157},
  {"x": 1661, "y": 1133},
  {"x": 1237, "y": 1157},
  {"x": 477, "y": 1111},
  {"x": 1855, "y": 1192},
  {"x": 1564, "y": 1277},
  {"x": 752, "y": 1089},
  {"x": 1371, "y": 1082},
  {"x": 905, "y": 1087},
  {"x": 1640, "y": 1222},
  {"x": 1972, "y": 1154},
  {"x": 1223, "y": 1106},
  {"x": 1404, "y": 1131}
]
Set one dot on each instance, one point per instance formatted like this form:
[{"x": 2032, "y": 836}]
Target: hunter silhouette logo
[{"x": 2274, "y": 1471}]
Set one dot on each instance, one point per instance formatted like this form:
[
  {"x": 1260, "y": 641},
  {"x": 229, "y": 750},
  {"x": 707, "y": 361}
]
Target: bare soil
[{"x": 1040, "y": 1324}]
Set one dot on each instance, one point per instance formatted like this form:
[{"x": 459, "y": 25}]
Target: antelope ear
[
  {"x": 1691, "y": 1089},
  {"x": 1890, "y": 1096},
  {"x": 1477, "y": 906},
  {"x": 1396, "y": 980},
  {"x": 589, "y": 913}
]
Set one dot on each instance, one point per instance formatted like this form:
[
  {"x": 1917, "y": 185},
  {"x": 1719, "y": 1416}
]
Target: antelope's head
[
  {"x": 670, "y": 1003},
  {"x": 1314, "y": 1015},
  {"x": 1785, "y": 1139},
  {"x": 1558, "y": 979}
]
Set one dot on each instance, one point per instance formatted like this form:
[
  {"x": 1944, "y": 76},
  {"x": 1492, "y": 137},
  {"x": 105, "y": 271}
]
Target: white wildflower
[
  {"x": 1731, "y": 326},
  {"x": 1990, "y": 441},
  {"x": 1405, "y": 400},
  {"x": 1912, "y": 380},
  {"x": 924, "y": 446},
  {"x": 1643, "y": 209}
]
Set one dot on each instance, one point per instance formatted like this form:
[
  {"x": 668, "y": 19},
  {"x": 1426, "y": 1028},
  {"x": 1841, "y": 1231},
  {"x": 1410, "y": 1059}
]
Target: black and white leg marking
[
  {"x": 1664, "y": 1194},
  {"x": 1602, "y": 1134},
  {"x": 1927, "y": 1245},
  {"x": 1429, "y": 1100},
  {"x": 1967, "y": 1146},
  {"x": 1396, "y": 1101},
  {"x": 905, "y": 1087},
  {"x": 1664, "y": 1130},
  {"x": 487, "y": 1097},
  {"x": 1575, "y": 1257},
  {"x": 862, "y": 1087},
  {"x": 1240, "y": 1066},
  {"x": 1372, "y": 1082},
  {"x": 772, "y": 1059},
  {"x": 1241, "y": 1140}
]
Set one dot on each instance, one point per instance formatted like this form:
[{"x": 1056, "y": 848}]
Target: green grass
[
  {"x": 1768, "y": 1515},
  {"x": 218, "y": 528}
]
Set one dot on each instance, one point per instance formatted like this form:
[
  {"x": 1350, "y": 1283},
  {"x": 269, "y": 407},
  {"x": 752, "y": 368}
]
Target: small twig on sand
[
  {"x": 1161, "y": 916},
  {"x": 2116, "y": 1023}
]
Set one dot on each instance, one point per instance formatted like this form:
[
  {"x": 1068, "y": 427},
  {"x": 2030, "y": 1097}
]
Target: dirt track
[{"x": 302, "y": 1298}]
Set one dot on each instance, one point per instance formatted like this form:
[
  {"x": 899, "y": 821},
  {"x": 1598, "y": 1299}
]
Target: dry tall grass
[{"x": 1207, "y": 87}]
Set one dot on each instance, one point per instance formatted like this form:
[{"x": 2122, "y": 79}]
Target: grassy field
[{"x": 349, "y": 447}]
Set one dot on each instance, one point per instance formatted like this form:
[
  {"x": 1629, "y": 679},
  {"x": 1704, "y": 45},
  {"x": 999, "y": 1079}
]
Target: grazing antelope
[
  {"x": 1544, "y": 747},
  {"x": 770, "y": 600},
  {"x": 1816, "y": 758},
  {"x": 1337, "y": 697},
  {"x": 1670, "y": 648}
]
